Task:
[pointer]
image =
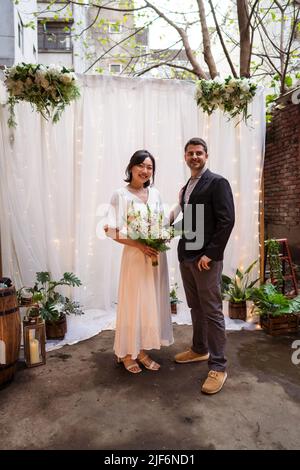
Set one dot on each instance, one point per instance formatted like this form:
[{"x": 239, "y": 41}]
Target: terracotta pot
[{"x": 57, "y": 329}]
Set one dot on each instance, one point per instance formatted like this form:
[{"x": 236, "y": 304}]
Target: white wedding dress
[{"x": 143, "y": 313}]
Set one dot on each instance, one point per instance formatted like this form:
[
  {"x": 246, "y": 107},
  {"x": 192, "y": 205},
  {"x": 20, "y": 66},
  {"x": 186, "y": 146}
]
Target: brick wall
[{"x": 282, "y": 177}]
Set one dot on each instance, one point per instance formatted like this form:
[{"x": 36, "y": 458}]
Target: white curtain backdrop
[{"x": 57, "y": 179}]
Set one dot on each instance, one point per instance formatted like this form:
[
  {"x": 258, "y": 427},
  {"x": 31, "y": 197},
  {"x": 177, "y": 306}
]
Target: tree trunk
[
  {"x": 208, "y": 57},
  {"x": 245, "y": 43}
]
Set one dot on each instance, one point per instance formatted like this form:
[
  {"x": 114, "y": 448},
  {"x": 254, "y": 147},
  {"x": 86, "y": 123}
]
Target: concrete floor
[{"x": 81, "y": 400}]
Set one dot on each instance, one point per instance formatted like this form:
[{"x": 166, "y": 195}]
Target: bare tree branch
[
  {"x": 232, "y": 68},
  {"x": 188, "y": 50},
  {"x": 291, "y": 39},
  {"x": 90, "y": 25},
  {"x": 73, "y": 2},
  {"x": 169, "y": 64},
  {"x": 117, "y": 44}
]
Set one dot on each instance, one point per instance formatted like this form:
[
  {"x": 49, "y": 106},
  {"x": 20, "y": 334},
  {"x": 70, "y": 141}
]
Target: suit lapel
[
  {"x": 183, "y": 194},
  {"x": 206, "y": 175},
  {"x": 200, "y": 184}
]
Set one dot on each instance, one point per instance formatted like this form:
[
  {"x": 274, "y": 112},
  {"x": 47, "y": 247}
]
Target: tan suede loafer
[
  {"x": 190, "y": 356},
  {"x": 214, "y": 382}
]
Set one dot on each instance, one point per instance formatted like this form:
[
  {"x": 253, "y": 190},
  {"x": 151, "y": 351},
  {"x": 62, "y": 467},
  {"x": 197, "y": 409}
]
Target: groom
[{"x": 201, "y": 264}]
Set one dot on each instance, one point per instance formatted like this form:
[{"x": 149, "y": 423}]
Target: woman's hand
[{"x": 147, "y": 250}]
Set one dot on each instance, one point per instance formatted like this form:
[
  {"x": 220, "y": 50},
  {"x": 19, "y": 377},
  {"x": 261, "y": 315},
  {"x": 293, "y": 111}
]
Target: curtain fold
[{"x": 56, "y": 180}]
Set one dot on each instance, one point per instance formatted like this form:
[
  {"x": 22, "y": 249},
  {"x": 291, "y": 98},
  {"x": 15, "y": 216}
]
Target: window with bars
[
  {"x": 54, "y": 36},
  {"x": 20, "y": 34},
  {"x": 115, "y": 68}
]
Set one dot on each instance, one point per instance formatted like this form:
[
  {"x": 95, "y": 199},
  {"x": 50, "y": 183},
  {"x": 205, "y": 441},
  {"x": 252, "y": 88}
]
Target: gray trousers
[{"x": 203, "y": 293}]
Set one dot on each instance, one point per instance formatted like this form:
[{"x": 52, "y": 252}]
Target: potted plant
[
  {"x": 51, "y": 305},
  {"x": 237, "y": 291},
  {"x": 174, "y": 298},
  {"x": 24, "y": 297},
  {"x": 275, "y": 264},
  {"x": 277, "y": 312}
]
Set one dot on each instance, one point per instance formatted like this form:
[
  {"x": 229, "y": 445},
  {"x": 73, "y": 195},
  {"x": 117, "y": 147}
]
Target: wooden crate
[
  {"x": 237, "y": 310},
  {"x": 282, "y": 325}
]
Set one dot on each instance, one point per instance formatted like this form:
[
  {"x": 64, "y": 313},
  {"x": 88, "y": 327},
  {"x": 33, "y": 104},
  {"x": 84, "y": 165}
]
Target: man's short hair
[{"x": 196, "y": 141}]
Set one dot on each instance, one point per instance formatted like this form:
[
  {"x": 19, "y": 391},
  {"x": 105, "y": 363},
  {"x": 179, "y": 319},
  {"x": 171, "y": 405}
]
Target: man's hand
[{"x": 203, "y": 263}]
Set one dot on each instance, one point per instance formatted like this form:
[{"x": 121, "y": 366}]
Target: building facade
[
  {"x": 18, "y": 34},
  {"x": 88, "y": 39}
]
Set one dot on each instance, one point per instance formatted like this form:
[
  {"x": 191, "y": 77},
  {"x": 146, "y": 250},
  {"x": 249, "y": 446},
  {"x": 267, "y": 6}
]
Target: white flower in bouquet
[
  {"x": 218, "y": 80},
  {"x": 54, "y": 69},
  {"x": 66, "y": 78},
  {"x": 245, "y": 86}
]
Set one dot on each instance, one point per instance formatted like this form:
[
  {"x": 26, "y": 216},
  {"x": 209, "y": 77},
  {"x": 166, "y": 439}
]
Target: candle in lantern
[
  {"x": 34, "y": 351},
  {"x": 31, "y": 334},
  {"x": 2, "y": 352}
]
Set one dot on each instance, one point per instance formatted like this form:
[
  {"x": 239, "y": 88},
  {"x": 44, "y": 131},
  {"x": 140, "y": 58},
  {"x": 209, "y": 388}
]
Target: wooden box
[{"x": 282, "y": 325}]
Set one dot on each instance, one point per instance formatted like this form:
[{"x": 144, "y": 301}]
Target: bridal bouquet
[
  {"x": 47, "y": 88},
  {"x": 148, "y": 228}
]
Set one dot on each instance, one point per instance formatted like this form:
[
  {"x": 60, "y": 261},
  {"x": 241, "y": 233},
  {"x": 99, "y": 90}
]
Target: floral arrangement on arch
[
  {"x": 47, "y": 88},
  {"x": 231, "y": 95}
]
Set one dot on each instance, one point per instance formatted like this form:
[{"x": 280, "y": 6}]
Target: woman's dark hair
[{"x": 138, "y": 157}]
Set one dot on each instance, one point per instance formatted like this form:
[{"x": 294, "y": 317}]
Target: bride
[{"x": 143, "y": 313}]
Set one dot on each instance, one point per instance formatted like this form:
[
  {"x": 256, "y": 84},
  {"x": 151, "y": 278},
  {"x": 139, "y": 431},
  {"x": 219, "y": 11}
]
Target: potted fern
[
  {"x": 174, "y": 298},
  {"x": 237, "y": 291},
  {"x": 51, "y": 305},
  {"x": 278, "y": 313}
]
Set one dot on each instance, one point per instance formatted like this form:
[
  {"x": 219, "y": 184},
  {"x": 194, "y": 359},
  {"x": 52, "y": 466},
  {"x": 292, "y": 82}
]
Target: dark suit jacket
[{"x": 214, "y": 192}]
